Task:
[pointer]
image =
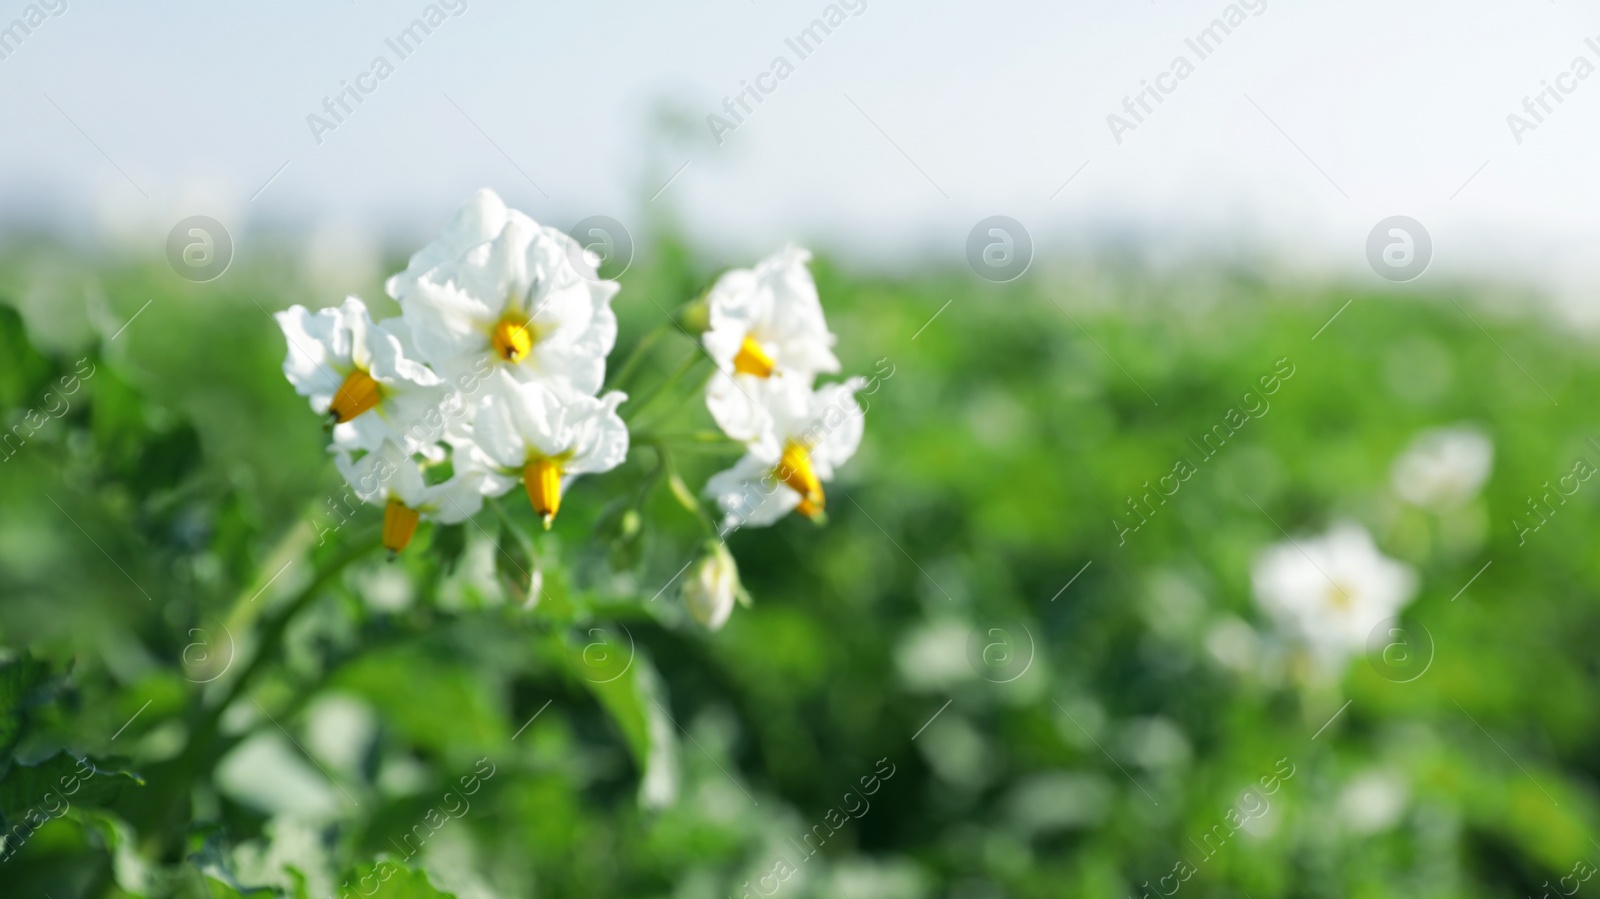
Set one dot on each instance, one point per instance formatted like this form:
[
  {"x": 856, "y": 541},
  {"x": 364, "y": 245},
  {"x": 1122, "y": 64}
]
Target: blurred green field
[{"x": 153, "y": 533}]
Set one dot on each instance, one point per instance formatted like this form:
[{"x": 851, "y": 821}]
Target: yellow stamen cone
[
  {"x": 752, "y": 359},
  {"x": 795, "y": 470},
  {"x": 356, "y": 395},
  {"x": 399, "y": 523},
  {"x": 809, "y": 509},
  {"x": 542, "y": 477},
  {"x": 512, "y": 339}
]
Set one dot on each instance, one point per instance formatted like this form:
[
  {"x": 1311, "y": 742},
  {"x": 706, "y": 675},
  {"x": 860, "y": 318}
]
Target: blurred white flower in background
[
  {"x": 1373, "y": 800},
  {"x": 1048, "y": 802},
  {"x": 286, "y": 843},
  {"x": 932, "y": 656},
  {"x": 265, "y": 773},
  {"x": 1234, "y": 643},
  {"x": 1329, "y": 592},
  {"x": 890, "y": 878},
  {"x": 340, "y": 730},
  {"x": 1443, "y": 467}
]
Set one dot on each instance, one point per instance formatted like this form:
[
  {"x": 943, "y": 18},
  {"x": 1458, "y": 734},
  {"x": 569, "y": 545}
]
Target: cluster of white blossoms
[
  {"x": 492, "y": 374},
  {"x": 769, "y": 339},
  {"x": 1329, "y": 593},
  {"x": 493, "y": 366},
  {"x": 767, "y": 335},
  {"x": 1443, "y": 468}
]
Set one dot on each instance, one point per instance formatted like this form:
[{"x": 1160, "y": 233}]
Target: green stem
[
  {"x": 636, "y": 356},
  {"x": 667, "y": 413},
  {"x": 500, "y": 512},
  {"x": 648, "y": 483},
  {"x": 199, "y": 757},
  {"x": 698, "y": 441},
  {"x": 643, "y": 402},
  {"x": 691, "y": 437},
  {"x": 276, "y": 628},
  {"x": 305, "y": 693},
  {"x": 695, "y": 504},
  {"x": 664, "y": 464}
]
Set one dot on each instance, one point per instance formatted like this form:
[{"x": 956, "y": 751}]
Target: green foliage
[
  {"x": 27, "y": 371},
  {"x": 395, "y": 880},
  {"x": 23, "y": 683},
  {"x": 628, "y": 688},
  {"x": 181, "y": 521},
  {"x": 61, "y": 780},
  {"x": 513, "y": 562}
]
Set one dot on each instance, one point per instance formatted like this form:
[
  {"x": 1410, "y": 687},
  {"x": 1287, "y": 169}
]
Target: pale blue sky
[{"x": 911, "y": 122}]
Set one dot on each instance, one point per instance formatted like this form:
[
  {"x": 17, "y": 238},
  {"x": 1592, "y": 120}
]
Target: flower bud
[
  {"x": 694, "y": 317},
  {"x": 626, "y": 548},
  {"x": 712, "y": 587}
]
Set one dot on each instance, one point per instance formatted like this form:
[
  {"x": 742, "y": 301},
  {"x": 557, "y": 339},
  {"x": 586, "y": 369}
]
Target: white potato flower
[
  {"x": 496, "y": 286},
  {"x": 811, "y": 433},
  {"x": 764, "y": 322},
  {"x": 358, "y": 374},
  {"x": 1329, "y": 592},
  {"x": 391, "y": 478},
  {"x": 1443, "y": 467},
  {"x": 547, "y": 436}
]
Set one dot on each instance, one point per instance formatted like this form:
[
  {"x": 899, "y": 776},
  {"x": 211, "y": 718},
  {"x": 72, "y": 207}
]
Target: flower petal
[
  {"x": 477, "y": 221},
  {"x": 495, "y": 432},
  {"x": 450, "y": 327},
  {"x": 312, "y": 365},
  {"x": 750, "y": 495},
  {"x": 600, "y": 438}
]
